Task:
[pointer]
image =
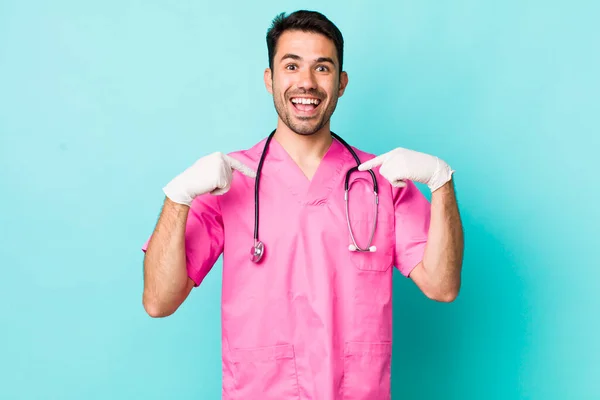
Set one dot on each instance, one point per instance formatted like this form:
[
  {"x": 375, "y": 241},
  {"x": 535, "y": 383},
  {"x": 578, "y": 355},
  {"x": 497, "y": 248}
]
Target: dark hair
[{"x": 306, "y": 21}]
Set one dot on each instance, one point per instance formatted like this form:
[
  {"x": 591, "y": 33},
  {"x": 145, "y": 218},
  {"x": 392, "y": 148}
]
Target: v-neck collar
[{"x": 316, "y": 190}]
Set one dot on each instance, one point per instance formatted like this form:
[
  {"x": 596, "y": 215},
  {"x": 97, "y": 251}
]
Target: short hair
[{"x": 306, "y": 21}]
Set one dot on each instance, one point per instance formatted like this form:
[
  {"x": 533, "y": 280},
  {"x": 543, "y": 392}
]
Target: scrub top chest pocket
[
  {"x": 382, "y": 258},
  {"x": 365, "y": 221}
]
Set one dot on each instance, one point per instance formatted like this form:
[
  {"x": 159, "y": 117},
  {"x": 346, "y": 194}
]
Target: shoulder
[
  {"x": 362, "y": 154},
  {"x": 249, "y": 156},
  {"x": 208, "y": 202},
  {"x": 358, "y": 152}
]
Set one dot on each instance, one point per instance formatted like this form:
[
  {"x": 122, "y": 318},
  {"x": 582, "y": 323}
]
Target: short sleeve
[
  {"x": 412, "y": 214},
  {"x": 204, "y": 237}
]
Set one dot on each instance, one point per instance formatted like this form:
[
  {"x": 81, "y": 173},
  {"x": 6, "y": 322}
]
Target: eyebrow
[{"x": 297, "y": 57}]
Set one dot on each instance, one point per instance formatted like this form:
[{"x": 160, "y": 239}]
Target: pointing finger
[
  {"x": 372, "y": 163},
  {"x": 238, "y": 165}
]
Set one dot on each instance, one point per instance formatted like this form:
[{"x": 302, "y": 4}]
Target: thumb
[
  {"x": 238, "y": 165},
  {"x": 372, "y": 163}
]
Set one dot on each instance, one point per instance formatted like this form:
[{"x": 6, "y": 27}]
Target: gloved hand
[
  {"x": 212, "y": 173},
  {"x": 401, "y": 164}
]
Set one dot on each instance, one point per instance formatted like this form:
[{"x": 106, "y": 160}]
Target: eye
[
  {"x": 322, "y": 68},
  {"x": 290, "y": 67}
]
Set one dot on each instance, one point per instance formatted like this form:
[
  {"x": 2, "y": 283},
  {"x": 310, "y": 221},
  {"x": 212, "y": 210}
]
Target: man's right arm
[{"x": 166, "y": 281}]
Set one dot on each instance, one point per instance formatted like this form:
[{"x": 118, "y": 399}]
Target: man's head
[{"x": 305, "y": 72}]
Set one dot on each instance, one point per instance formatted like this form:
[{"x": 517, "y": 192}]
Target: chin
[
  {"x": 305, "y": 130},
  {"x": 306, "y": 126}
]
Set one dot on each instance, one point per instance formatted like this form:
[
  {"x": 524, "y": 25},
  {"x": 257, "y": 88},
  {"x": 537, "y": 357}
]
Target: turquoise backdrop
[{"x": 101, "y": 103}]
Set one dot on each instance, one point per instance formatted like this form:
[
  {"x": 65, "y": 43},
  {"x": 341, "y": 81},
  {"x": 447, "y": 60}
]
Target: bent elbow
[
  {"x": 443, "y": 295},
  {"x": 155, "y": 310}
]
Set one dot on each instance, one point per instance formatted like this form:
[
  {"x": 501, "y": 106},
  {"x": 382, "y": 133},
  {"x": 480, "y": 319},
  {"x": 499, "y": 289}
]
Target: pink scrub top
[{"x": 313, "y": 320}]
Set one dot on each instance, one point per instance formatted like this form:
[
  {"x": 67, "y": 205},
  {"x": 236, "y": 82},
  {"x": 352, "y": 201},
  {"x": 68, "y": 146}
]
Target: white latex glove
[
  {"x": 401, "y": 164},
  {"x": 210, "y": 174}
]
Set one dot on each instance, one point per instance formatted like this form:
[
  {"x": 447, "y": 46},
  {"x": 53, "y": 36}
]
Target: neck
[{"x": 304, "y": 149}]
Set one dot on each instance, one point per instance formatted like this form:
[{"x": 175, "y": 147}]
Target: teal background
[{"x": 101, "y": 103}]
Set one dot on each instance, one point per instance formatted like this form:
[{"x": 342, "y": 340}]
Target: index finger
[
  {"x": 372, "y": 163},
  {"x": 238, "y": 165}
]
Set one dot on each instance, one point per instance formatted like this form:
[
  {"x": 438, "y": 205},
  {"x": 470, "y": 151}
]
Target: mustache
[{"x": 314, "y": 93}]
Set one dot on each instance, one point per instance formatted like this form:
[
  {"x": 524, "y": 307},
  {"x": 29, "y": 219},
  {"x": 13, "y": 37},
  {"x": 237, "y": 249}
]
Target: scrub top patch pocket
[
  {"x": 267, "y": 373},
  {"x": 367, "y": 371},
  {"x": 383, "y": 239}
]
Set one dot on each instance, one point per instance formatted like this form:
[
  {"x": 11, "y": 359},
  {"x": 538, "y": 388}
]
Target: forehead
[{"x": 308, "y": 45}]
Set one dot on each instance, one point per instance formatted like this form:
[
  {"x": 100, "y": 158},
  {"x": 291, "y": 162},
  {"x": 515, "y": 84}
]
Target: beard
[{"x": 304, "y": 125}]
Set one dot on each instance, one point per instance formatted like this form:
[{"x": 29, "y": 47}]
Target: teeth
[{"x": 301, "y": 100}]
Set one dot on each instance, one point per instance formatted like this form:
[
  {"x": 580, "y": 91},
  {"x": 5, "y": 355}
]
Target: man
[{"x": 309, "y": 316}]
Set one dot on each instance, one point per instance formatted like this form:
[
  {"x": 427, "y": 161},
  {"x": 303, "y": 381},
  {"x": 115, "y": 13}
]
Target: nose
[{"x": 307, "y": 80}]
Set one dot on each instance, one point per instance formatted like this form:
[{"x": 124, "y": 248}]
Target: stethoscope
[{"x": 258, "y": 250}]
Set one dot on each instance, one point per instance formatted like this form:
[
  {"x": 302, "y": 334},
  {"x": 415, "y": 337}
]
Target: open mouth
[{"x": 305, "y": 105}]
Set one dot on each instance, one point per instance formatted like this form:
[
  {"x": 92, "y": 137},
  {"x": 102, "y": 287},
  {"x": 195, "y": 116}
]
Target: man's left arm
[{"x": 438, "y": 275}]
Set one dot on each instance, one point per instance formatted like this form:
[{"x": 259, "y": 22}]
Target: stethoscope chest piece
[{"x": 257, "y": 251}]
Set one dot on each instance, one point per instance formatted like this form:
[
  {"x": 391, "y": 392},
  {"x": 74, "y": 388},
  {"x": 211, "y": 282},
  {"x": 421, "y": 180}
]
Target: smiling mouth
[{"x": 305, "y": 105}]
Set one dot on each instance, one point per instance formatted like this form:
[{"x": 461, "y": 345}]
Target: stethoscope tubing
[{"x": 258, "y": 249}]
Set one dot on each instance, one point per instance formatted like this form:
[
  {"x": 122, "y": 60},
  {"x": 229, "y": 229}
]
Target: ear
[
  {"x": 269, "y": 80},
  {"x": 343, "y": 83}
]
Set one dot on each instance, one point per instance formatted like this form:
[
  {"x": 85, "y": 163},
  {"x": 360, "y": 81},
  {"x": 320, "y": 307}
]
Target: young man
[{"x": 308, "y": 316}]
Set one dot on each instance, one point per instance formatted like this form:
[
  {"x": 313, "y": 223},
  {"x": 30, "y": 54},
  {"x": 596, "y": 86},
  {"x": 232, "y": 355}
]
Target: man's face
[{"x": 305, "y": 81}]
